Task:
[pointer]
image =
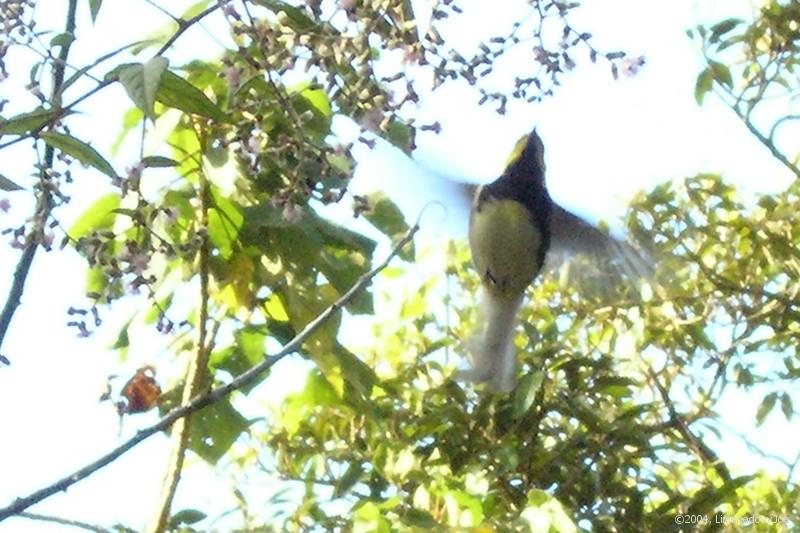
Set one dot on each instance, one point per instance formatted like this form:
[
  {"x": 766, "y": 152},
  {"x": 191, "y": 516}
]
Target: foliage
[
  {"x": 597, "y": 432},
  {"x": 605, "y": 431},
  {"x": 754, "y": 65}
]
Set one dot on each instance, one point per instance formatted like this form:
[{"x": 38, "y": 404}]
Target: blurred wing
[{"x": 592, "y": 261}]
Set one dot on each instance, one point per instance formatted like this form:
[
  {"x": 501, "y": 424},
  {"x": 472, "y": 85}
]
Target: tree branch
[
  {"x": 20, "y": 504},
  {"x": 678, "y": 422},
  {"x": 777, "y": 154},
  {"x": 44, "y": 200},
  {"x": 195, "y": 376},
  {"x": 184, "y": 25}
]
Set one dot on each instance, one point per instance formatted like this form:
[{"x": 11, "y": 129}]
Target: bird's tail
[{"x": 493, "y": 354}]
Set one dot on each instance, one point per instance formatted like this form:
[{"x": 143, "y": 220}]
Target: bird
[{"x": 515, "y": 232}]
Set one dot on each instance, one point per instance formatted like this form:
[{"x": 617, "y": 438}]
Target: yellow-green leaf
[{"x": 100, "y": 215}]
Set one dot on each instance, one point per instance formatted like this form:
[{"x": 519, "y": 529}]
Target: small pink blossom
[{"x": 630, "y": 67}]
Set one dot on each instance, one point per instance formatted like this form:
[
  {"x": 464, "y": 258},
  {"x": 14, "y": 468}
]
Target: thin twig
[
  {"x": 678, "y": 422},
  {"x": 244, "y": 379},
  {"x": 65, "y": 522},
  {"x": 778, "y": 122},
  {"x": 184, "y": 25},
  {"x": 777, "y": 154},
  {"x": 61, "y": 111}
]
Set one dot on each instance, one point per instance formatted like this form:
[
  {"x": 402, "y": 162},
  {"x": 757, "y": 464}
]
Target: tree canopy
[{"x": 220, "y": 234}]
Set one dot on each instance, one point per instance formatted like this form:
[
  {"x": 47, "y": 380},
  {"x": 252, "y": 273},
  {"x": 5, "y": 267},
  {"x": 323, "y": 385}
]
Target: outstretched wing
[{"x": 590, "y": 260}]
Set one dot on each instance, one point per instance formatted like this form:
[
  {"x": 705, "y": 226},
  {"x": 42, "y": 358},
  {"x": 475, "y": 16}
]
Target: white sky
[{"x": 605, "y": 140}]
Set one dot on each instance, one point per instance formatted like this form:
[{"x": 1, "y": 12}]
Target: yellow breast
[{"x": 505, "y": 244}]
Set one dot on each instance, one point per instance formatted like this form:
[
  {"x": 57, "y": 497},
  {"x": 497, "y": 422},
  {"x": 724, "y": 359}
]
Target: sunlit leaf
[
  {"x": 79, "y": 150},
  {"x": 100, "y": 215},
  {"x": 224, "y": 222},
  {"x": 215, "y": 429},
  {"x": 142, "y": 82}
]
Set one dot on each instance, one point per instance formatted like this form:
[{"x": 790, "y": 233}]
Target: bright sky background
[{"x": 604, "y": 140}]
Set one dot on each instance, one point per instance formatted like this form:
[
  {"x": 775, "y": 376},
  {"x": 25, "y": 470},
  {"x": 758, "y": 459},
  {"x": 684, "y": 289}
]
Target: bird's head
[{"x": 527, "y": 158}]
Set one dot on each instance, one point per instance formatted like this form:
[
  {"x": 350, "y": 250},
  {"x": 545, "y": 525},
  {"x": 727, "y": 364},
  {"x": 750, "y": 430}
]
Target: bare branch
[{"x": 44, "y": 200}]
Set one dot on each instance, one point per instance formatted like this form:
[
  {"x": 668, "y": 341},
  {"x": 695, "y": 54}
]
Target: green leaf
[
  {"x": 337, "y": 236},
  {"x": 399, "y": 134},
  {"x": 350, "y": 478},
  {"x": 8, "y": 185},
  {"x": 246, "y": 352},
  {"x": 178, "y": 93},
  {"x": 101, "y": 215},
  {"x": 130, "y": 119},
  {"x": 224, "y": 222},
  {"x": 387, "y": 217},
  {"x": 157, "y": 161},
  {"x": 319, "y": 100},
  {"x": 342, "y": 269},
  {"x": 123, "y": 340},
  {"x": 766, "y": 406},
  {"x": 141, "y": 82},
  {"x": 545, "y": 513},
  {"x": 705, "y": 81},
  {"x": 307, "y": 98},
  {"x": 97, "y": 282},
  {"x": 62, "y": 39},
  {"x": 721, "y": 73},
  {"x": 295, "y": 18},
  {"x": 27, "y": 122},
  {"x": 786, "y": 406},
  {"x": 355, "y": 371},
  {"x": 526, "y": 392},
  {"x": 79, "y": 150},
  {"x": 94, "y": 8},
  {"x": 155, "y": 311},
  {"x": 710, "y": 497},
  {"x": 195, "y": 9},
  {"x": 721, "y": 28},
  {"x": 421, "y": 519},
  {"x": 215, "y": 429},
  {"x": 185, "y": 517}
]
